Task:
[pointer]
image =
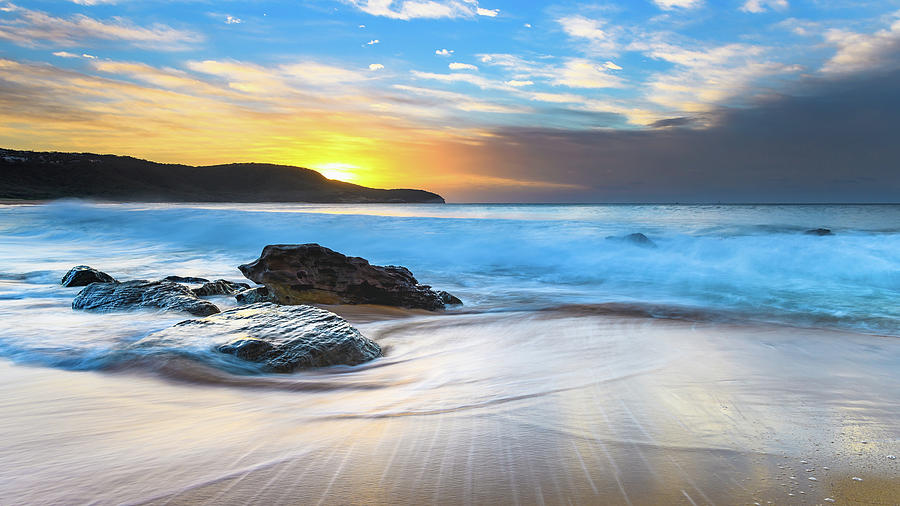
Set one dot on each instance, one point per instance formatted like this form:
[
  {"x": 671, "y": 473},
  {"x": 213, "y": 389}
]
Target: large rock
[
  {"x": 82, "y": 275},
  {"x": 164, "y": 295},
  {"x": 281, "y": 338},
  {"x": 309, "y": 273},
  {"x": 220, "y": 287}
]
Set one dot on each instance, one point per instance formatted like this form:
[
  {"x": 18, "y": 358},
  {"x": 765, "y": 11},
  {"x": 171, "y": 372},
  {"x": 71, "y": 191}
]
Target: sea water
[{"x": 579, "y": 369}]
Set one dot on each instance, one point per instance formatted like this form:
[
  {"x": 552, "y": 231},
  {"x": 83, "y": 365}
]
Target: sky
[{"x": 478, "y": 100}]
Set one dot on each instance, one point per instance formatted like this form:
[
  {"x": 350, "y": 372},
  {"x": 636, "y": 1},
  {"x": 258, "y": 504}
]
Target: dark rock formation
[
  {"x": 309, "y": 273},
  {"x": 164, "y": 295},
  {"x": 637, "y": 239},
  {"x": 29, "y": 175},
  {"x": 254, "y": 295},
  {"x": 220, "y": 287},
  {"x": 186, "y": 279},
  {"x": 449, "y": 299},
  {"x": 281, "y": 338},
  {"x": 82, "y": 275},
  {"x": 819, "y": 232}
]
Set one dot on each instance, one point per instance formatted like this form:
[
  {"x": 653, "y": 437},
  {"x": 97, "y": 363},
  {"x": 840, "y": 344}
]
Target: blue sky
[{"x": 416, "y": 71}]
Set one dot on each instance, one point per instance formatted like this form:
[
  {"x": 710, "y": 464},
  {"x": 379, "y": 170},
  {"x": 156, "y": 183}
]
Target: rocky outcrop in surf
[
  {"x": 638, "y": 239},
  {"x": 220, "y": 287},
  {"x": 281, "y": 339},
  {"x": 190, "y": 280},
  {"x": 310, "y": 273},
  {"x": 165, "y": 295},
  {"x": 82, "y": 275},
  {"x": 254, "y": 295}
]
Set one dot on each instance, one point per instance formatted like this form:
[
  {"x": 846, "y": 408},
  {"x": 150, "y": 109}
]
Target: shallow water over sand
[
  {"x": 729, "y": 365},
  {"x": 516, "y": 408}
]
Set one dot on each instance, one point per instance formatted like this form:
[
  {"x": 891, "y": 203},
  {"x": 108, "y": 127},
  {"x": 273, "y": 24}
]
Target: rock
[
  {"x": 637, "y": 239},
  {"x": 186, "y": 279},
  {"x": 449, "y": 299},
  {"x": 281, "y": 338},
  {"x": 82, "y": 275},
  {"x": 254, "y": 295},
  {"x": 164, "y": 295},
  {"x": 309, "y": 273},
  {"x": 220, "y": 287},
  {"x": 819, "y": 232}
]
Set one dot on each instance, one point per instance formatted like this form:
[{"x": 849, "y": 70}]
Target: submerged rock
[
  {"x": 638, "y": 239},
  {"x": 220, "y": 287},
  {"x": 309, "y": 273},
  {"x": 164, "y": 295},
  {"x": 819, "y": 232},
  {"x": 186, "y": 279},
  {"x": 281, "y": 338},
  {"x": 254, "y": 295},
  {"x": 82, "y": 275}
]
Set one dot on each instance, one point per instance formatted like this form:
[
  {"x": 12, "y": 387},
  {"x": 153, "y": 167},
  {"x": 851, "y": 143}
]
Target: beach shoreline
[{"x": 684, "y": 413}]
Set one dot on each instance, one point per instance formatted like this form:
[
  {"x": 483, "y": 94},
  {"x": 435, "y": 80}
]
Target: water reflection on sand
[{"x": 532, "y": 407}]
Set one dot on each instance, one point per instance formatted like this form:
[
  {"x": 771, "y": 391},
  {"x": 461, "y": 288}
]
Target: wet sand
[{"x": 511, "y": 408}]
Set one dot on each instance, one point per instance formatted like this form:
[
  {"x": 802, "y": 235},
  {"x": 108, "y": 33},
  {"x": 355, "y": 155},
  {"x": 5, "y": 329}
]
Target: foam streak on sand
[{"x": 715, "y": 368}]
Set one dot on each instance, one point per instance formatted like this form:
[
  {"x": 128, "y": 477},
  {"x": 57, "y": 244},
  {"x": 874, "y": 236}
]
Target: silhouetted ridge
[{"x": 30, "y": 175}]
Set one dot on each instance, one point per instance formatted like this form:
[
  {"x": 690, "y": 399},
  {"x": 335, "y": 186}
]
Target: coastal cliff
[{"x": 30, "y": 175}]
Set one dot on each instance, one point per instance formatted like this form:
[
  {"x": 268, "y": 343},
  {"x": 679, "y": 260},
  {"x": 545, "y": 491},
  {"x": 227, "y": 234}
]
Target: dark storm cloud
[{"x": 828, "y": 141}]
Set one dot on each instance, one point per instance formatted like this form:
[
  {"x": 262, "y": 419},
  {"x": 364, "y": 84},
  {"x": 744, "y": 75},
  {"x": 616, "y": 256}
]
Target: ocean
[{"x": 576, "y": 357}]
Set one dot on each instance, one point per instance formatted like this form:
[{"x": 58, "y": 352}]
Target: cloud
[
  {"x": 668, "y": 5},
  {"x": 518, "y": 84},
  {"x": 373, "y": 42},
  {"x": 376, "y": 66},
  {"x": 758, "y": 6},
  {"x": 859, "y": 51},
  {"x": 422, "y": 9},
  {"x": 231, "y": 20},
  {"x": 822, "y": 141},
  {"x": 462, "y": 66},
  {"x": 281, "y": 80},
  {"x": 461, "y": 101},
  {"x": 443, "y": 52},
  {"x": 601, "y": 40},
  {"x": 31, "y": 28},
  {"x": 94, "y": 2},
  {"x": 611, "y": 66},
  {"x": 583, "y": 73},
  {"x": 704, "y": 77}
]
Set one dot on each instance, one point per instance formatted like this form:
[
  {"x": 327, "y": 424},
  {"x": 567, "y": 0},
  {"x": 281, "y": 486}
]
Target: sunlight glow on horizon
[{"x": 340, "y": 171}]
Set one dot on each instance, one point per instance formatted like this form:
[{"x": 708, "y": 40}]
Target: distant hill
[{"x": 30, "y": 175}]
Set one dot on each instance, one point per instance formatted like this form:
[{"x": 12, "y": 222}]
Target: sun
[{"x": 340, "y": 171}]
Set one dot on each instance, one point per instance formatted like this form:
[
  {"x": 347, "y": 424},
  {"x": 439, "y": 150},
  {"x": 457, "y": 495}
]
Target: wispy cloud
[
  {"x": 677, "y": 4},
  {"x": 600, "y": 37},
  {"x": 423, "y": 9},
  {"x": 758, "y": 6},
  {"x": 462, "y": 66},
  {"x": 28, "y": 27},
  {"x": 443, "y": 52},
  {"x": 462, "y": 101}
]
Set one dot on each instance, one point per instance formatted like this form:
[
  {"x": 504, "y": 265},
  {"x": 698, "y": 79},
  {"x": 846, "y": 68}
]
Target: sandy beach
[{"x": 526, "y": 408}]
